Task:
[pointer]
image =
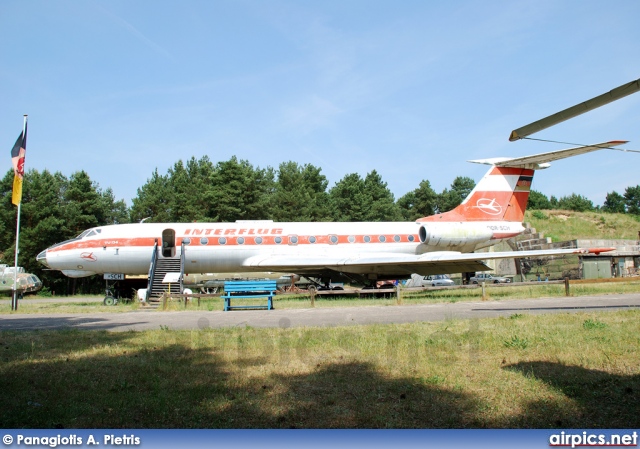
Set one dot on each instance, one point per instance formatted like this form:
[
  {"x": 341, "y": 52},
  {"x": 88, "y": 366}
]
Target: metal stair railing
[
  {"x": 152, "y": 270},
  {"x": 182, "y": 267}
]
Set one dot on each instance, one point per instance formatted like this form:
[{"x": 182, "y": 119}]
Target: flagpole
[{"x": 14, "y": 299}]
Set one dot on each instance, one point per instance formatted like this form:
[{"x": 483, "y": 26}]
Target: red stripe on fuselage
[
  {"x": 248, "y": 241},
  {"x": 109, "y": 243}
]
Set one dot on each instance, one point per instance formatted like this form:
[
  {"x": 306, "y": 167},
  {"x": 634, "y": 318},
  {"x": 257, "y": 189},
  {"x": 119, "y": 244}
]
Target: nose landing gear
[{"x": 113, "y": 294}]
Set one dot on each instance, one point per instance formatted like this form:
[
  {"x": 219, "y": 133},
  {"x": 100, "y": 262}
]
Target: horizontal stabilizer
[
  {"x": 540, "y": 161},
  {"x": 573, "y": 111}
]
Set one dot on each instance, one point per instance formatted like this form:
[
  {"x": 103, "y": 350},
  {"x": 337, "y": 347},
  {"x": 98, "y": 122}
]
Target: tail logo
[{"x": 489, "y": 206}]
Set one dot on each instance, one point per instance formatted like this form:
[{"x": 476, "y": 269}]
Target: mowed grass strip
[
  {"x": 81, "y": 304},
  {"x": 495, "y": 292},
  {"x": 558, "y": 371}
]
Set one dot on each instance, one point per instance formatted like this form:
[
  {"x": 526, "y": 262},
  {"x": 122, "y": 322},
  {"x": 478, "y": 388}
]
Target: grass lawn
[{"x": 558, "y": 371}]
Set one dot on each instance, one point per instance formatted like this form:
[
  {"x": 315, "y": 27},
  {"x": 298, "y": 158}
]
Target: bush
[
  {"x": 44, "y": 292},
  {"x": 539, "y": 215}
]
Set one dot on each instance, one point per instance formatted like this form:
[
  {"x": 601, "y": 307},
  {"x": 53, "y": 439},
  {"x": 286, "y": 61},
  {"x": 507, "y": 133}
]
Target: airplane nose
[{"x": 42, "y": 258}]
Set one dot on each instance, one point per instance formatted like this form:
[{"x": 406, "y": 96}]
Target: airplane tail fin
[{"x": 502, "y": 194}]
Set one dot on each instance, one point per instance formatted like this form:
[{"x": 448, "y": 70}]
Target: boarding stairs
[{"x": 160, "y": 267}]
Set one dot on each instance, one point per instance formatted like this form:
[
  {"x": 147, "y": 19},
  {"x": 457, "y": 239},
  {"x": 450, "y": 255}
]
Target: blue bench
[{"x": 249, "y": 289}]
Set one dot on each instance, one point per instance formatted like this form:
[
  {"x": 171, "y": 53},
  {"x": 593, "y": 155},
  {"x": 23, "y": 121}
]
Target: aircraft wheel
[
  {"x": 109, "y": 301},
  {"x": 312, "y": 288}
]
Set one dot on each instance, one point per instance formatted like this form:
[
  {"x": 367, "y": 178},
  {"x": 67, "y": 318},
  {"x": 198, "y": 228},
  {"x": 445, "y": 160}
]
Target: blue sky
[{"x": 411, "y": 89}]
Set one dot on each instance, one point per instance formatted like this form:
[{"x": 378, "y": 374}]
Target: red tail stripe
[{"x": 511, "y": 171}]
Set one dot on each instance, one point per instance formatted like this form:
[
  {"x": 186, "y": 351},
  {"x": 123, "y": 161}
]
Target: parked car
[
  {"x": 438, "y": 280},
  {"x": 488, "y": 279},
  {"x": 433, "y": 280}
]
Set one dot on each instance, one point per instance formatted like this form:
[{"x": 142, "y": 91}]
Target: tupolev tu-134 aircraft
[{"x": 364, "y": 252}]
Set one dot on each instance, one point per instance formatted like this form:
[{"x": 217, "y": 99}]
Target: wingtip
[{"x": 597, "y": 251}]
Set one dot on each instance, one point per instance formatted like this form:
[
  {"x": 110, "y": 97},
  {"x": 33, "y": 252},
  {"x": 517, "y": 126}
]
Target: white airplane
[{"x": 364, "y": 252}]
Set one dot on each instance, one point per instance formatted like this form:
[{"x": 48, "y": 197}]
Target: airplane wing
[{"x": 394, "y": 264}]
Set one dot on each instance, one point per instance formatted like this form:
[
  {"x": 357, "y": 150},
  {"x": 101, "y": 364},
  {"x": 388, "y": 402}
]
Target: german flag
[
  {"x": 524, "y": 183},
  {"x": 17, "y": 158}
]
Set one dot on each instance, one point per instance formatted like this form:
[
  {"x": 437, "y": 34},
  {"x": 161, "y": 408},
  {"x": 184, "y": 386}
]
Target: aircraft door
[{"x": 168, "y": 243}]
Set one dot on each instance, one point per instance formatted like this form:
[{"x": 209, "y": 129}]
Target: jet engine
[{"x": 453, "y": 235}]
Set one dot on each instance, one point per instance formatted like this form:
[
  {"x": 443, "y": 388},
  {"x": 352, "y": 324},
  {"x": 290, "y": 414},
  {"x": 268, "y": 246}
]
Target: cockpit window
[{"x": 89, "y": 233}]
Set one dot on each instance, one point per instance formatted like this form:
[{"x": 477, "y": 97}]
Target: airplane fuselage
[
  {"x": 437, "y": 244},
  {"x": 239, "y": 246}
]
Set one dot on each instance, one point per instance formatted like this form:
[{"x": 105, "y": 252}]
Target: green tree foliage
[
  {"x": 182, "y": 196},
  {"x": 153, "y": 200},
  {"x": 632, "y": 199},
  {"x": 238, "y": 191},
  {"x": 382, "y": 205},
  {"x": 348, "y": 200},
  {"x": 575, "y": 202},
  {"x": 201, "y": 191},
  {"x": 195, "y": 188},
  {"x": 188, "y": 186},
  {"x": 83, "y": 204},
  {"x": 300, "y": 194},
  {"x": 461, "y": 187},
  {"x": 614, "y": 203},
  {"x": 418, "y": 203},
  {"x": 55, "y": 209},
  {"x": 42, "y": 220},
  {"x": 538, "y": 201},
  {"x": 116, "y": 211},
  {"x": 368, "y": 199}
]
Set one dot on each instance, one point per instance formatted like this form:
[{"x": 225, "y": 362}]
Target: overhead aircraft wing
[
  {"x": 541, "y": 160},
  {"x": 573, "y": 111},
  {"x": 395, "y": 264}
]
